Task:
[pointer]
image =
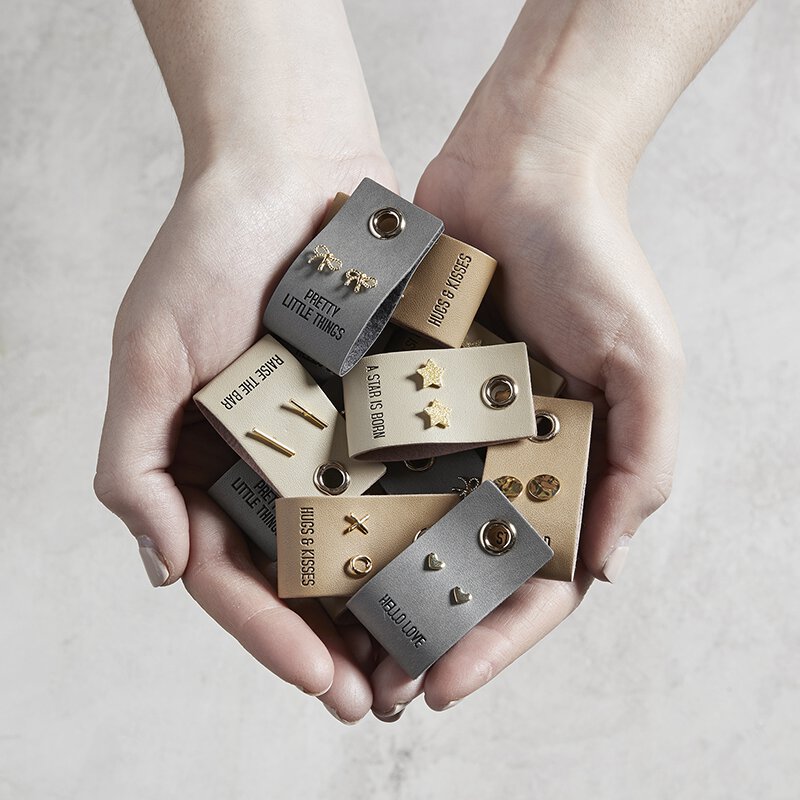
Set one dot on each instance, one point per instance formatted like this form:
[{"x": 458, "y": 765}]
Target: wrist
[
  {"x": 230, "y": 135},
  {"x": 578, "y": 89}
]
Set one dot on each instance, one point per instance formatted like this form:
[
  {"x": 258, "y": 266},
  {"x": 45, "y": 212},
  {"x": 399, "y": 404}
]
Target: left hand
[{"x": 574, "y": 285}]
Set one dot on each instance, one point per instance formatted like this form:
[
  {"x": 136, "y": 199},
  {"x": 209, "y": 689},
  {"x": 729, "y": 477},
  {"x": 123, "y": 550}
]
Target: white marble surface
[{"x": 681, "y": 681}]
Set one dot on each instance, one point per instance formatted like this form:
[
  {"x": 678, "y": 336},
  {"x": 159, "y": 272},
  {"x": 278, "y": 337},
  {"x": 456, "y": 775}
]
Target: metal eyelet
[
  {"x": 331, "y": 478},
  {"x": 386, "y": 223},
  {"x": 497, "y": 536},
  {"x": 419, "y": 533},
  {"x": 420, "y": 464},
  {"x": 358, "y": 566},
  {"x": 499, "y": 391},
  {"x": 547, "y": 426}
]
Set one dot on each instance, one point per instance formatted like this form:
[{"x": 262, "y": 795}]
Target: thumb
[{"x": 148, "y": 387}]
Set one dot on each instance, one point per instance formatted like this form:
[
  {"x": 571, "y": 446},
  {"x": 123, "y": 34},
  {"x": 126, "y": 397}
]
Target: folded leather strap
[
  {"x": 455, "y": 473},
  {"x": 443, "y": 297},
  {"x": 250, "y": 502},
  {"x": 339, "y": 293},
  {"x": 336, "y": 608},
  {"x": 446, "y": 291},
  {"x": 401, "y": 340},
  {"x": 447, "y": 581},
  {"x": 543, "y": 380},
  {"x": 562, "y": 455},
  {"x": 330, "y": 546},
  {"x": 253, "y": 396},
  {"x": 396, "y": 412}
]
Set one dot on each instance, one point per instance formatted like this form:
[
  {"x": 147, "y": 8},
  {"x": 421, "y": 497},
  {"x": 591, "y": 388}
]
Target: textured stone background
[{"x": 681, "y": 681}]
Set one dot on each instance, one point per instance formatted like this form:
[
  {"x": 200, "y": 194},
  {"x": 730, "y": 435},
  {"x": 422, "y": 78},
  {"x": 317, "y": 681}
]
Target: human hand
[
  {"x": 573, "y": 284},
  {"x": 194, "y": 306}
]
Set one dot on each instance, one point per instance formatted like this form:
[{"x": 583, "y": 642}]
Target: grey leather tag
[
  {"x": 250, "y": 502},
  {"x": 456, "y": 473},
  {"x": 441, "y": 586},
  {"x": 316, "y": 308}
]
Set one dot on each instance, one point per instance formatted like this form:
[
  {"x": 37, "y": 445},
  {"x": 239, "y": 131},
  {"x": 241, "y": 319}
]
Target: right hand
[{"x": 194, "y": 306}]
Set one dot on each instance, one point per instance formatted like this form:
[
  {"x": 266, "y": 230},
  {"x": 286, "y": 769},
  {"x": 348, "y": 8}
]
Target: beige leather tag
[
  {"x": 255, "y": 393},
  {"x": 403, "y": 406},
  {"x": 444, "y": 294},
  {"x": 565, "y": 456},
  {"x": 331, "y": 546},
  {"x": 543, "y": 380}
]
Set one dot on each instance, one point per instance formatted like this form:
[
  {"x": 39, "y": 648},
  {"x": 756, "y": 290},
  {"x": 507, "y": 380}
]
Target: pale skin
[{"x": 535, "y": 172}]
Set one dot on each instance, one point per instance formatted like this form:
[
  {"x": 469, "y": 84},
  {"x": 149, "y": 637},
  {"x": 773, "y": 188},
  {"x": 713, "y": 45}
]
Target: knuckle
[
  {"x": 656, "y": 492},
  {"x": 661, "y": 490},
  {"x": 110, "y": 492},
  {"x": 135, "y": 357}
]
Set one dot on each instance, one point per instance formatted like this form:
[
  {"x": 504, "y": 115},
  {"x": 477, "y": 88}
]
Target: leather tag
[
  {"x": 445, "y": 292},
  {"x": 543, "y": 380},
  {"x": 402, "y": 406},
  {"x": 447, "y": 581},
  {"x": 329, "y": 547},
  {"x": 564, "y": 457},
  {"x": 455, "y": 473},
  {"x": 339, "y": 293},
  {"x": 443, "y": 297},
  {"x": 250, "y": 502},
  {"x": 255, "y": 393}
]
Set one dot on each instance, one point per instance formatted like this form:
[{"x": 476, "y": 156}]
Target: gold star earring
[
  {"x": 431, "y": 374},
  {"x": 438, "y": 414}
]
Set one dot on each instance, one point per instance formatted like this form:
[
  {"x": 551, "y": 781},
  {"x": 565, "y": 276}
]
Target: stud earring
[
  {"x": 358, "y": 566},
  {"x": 470, "y": 485},
  {"x": 458, "y": 596},
  {"x": 307, "y": 415},
  {"x": 434, "y": 563},
  {"x": 431, "y": 374},
  {"x": 357, "y": 524},
  {"x": 509, "y": 485},
  {"x": 325, "y": 258},
  {"x": 543, "y": 487},
  {"x": 262, "y": 437},
  {"x": 361, "y": 279},
  {"x": 438, "y": 414}
]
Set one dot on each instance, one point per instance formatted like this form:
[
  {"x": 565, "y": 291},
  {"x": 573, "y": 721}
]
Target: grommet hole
[
  {"x": 547, "y": 426},
  {"x": 419, "y": 464},
  {"x": 331, "y": 478},
  {"x": 497, "y": 536},
  {"x": 499, "y": 391},
  {"x": 386, "y": 223}
]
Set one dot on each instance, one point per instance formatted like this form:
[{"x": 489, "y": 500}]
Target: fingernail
[
  {"x": 395, "y": 711},
  {"x": 612, "y": 569},
  {"x": 154, "y": 564},
  {"x": 310, "y": 693},
  {"x": 451, "y": 704},
  {"x": 332, "y": 712}
]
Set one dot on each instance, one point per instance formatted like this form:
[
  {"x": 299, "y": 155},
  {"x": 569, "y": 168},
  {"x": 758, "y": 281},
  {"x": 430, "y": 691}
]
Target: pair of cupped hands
[{"x": 572, "y": 283}]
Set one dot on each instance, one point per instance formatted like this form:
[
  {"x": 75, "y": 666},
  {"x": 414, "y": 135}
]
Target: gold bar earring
[
  {"x": 307, "y": 415},
  {"x": 262, "y": 437}
]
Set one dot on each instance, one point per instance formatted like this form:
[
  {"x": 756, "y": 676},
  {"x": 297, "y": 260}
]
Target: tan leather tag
[
  {"x": 251, "y": 402},
  {"x": 546, "y": 479},
  {"x": 331, "y": 546},
  {"x": 403, "y": 406},
  {"x": 443, "y": 297}
]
